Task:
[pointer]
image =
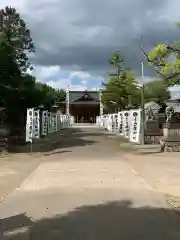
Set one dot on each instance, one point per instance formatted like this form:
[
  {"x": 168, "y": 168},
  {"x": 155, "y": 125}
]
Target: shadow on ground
[
  {"x": 112, "y": 221},
  {"x": 149, "y": 149},
  {"x": 71, "y": 137},
  {"x": 150, "y": 153}
]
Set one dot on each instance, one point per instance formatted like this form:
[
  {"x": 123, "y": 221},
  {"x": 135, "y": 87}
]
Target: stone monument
[{"x": 171, "y": 131}]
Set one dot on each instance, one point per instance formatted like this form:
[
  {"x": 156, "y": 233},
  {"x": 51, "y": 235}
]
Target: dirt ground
[{"x": 83, "y": 186}]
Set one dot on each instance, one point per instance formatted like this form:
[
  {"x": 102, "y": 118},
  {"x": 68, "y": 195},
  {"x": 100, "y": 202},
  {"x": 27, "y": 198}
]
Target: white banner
[
  {"x": 130, "y": 121},
  {"x": 126, "y": 124},
  {"x": 58, "y": 120},
  {"x": 109, "y": 123},
  {"x": 44, "y": 123},
  {"x": 62, "y": 121},
  {"x": 36, "y": 124},
  {"x": 136, "y": 126},
  {"x": 29, "y": 125},
  {"x": 49, "y": 122},
  {"x": 116, "y": 122},
  {"x": 120, "y": 123},
  {"x": 113, "y": 122},
  {"x": 54, "y": 122},
  {"x": 66, "y": 121}
]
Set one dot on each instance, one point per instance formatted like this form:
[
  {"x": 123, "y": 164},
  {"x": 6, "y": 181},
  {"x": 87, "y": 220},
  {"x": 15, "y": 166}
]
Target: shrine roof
[{"x": 91, "y": 96}]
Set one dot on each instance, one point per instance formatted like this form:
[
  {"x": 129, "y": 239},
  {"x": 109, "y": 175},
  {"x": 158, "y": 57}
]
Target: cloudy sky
[{"x": 74, "y": 38}]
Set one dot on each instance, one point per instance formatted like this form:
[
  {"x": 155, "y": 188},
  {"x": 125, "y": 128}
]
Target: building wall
[
  {"x": 78, "y": 111},
  {"x": 86, "y": 113}
]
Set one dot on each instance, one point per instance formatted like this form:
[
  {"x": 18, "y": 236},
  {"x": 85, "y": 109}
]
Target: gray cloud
[{"x": 85, "y": 33}]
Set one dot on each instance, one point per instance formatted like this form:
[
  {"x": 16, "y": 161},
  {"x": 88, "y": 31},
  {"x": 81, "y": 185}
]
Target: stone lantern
[{"x": 171, "y": 131}]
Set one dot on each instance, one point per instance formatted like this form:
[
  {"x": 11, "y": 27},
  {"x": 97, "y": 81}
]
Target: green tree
[
  {"x": 116, "y": 61},
  {"x": 15, "y": 43},
  {"x": 9, "y": 70},
  {"x": 156, "y": 91},
  {"x": 48, "y": 96},
  {"x": 120, "y": 89},
  {"x": 19, "y": 90},
  {"x": 165, "y": 59},
  {"x": 17, "y": 35}
]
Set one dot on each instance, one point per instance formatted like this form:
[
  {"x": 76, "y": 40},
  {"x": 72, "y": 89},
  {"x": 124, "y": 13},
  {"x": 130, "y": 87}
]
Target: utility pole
[
  {"x": 67, "y": 101},
  {"x": 142, "y": 104},
  {"x": 142, "y": 101}
]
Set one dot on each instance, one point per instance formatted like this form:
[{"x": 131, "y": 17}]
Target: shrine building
[{"x": 84, "y": 106}]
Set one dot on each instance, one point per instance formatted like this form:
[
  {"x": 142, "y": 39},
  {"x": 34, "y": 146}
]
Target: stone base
[
  {"x": 171, "y": 146},
  {"x": 3, "y": 144},
  {"x": 152, "y": 139}
]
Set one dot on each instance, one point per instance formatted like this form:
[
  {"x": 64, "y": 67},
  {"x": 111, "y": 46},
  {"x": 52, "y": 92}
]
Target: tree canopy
[
  {"x": 121, "y": 90},
  {"x": 156, "y": 91},
  {"x": 165, "y": 59},
  {"x": 120, "y": 86},
  {"x": 19, "y": 90}
]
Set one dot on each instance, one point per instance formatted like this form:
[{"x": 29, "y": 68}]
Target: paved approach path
[{"x": 85, "y": 190}]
